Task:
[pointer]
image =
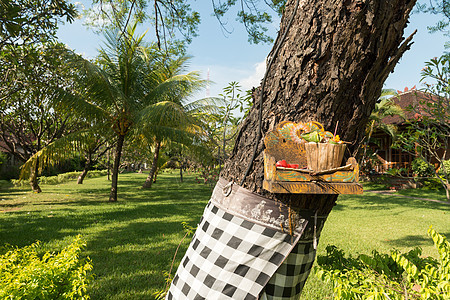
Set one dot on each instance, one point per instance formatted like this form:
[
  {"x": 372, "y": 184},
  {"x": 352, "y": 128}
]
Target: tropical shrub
[
  {"x": 61, "y": 178},
  {"x": 446, "y": 166},
  {"x": 421, "y": 168},
  {"x": 4, "y": 184},
  {"x": 383, "y": 276},
  {"x": 24, "y": 274}
]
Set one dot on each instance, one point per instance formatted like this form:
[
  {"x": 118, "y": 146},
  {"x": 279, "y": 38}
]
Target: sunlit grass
[{"x": 132, "y": 242}]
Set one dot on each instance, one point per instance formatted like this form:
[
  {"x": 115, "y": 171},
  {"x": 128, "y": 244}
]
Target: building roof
[{"x": 412, "y": 98}]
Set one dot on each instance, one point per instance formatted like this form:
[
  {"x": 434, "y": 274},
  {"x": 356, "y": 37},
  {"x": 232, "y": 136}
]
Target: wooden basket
[
  {"x": 324, "y": 156},
  {"x": 279, "y": 145}
]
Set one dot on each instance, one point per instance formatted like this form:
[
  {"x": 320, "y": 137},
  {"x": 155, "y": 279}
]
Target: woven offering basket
[{"x": 324, "y": 156}]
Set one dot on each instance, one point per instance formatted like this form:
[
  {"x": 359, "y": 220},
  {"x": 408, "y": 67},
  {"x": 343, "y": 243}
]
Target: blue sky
[{"x": 231, "y": 58}]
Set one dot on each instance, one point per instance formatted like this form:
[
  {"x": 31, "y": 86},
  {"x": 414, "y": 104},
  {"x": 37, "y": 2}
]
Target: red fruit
[
  {"x": 293, "y": 166},
  {"x": 282, "y": 163}
]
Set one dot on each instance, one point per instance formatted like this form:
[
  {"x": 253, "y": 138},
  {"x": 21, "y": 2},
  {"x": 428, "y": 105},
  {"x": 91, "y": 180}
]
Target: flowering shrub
[{"x": 207, "y": 175}]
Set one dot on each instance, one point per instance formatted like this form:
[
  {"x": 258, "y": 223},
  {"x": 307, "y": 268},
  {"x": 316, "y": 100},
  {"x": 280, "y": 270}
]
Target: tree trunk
[
  {"x": 115, "y": 171},
  {"x": 87, "y": 167},
  {"x": 331, "y": 67},
  {"x": 149, "y": 180},
  {"x": 181, "y": 172},
  {"x": 328, "y": 65},
  {"x": 109, "y": 165},
  {"x": 34, "y": 178}
]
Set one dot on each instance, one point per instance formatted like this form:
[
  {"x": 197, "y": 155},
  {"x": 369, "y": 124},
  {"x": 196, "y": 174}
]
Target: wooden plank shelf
[
  {"x": 318, "y": 187},
  {"x": 279, "y": 145}
]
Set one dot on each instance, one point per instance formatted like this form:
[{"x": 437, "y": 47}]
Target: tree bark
[
  {"x": 87, "y": 167},
  {"x": 115, "y": 171},
  {"x": 148, "y": 182},
  {"x": 181, "y": 172},
  {"x": 34, "y": 178},
  {"x": 331, "y": 67},
  {"x": 109, "y": 165}
]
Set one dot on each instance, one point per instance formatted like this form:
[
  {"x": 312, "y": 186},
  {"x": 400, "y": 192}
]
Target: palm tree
[
  {"x": 123, "y": 86},
  {"x": 171, "y": 121},
  {"x": 384, "y": 107}
]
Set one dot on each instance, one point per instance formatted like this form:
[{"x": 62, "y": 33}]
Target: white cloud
[
  {"x": 254, "y": 80},
  {"x": 221, "y": 75}
]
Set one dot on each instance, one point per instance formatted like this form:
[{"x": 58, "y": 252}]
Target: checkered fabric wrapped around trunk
[{"x": 246, "y": 247}]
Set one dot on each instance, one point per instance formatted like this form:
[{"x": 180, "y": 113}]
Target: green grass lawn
[{"x": 131, "y": 243}]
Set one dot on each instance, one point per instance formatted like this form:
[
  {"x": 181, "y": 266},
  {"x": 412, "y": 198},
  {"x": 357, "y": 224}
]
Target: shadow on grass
[
  {"x": 413, "y": 241},
  {"x": 131, "y": 242},
  {"x": 135, "y": 257},
  {"x": 372, "y": 201}
]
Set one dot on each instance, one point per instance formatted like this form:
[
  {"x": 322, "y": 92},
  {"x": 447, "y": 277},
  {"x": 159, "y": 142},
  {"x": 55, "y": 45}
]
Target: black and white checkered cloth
[
  {"x": 288, "y": 281},
  {"x": 234, "y": 256}
]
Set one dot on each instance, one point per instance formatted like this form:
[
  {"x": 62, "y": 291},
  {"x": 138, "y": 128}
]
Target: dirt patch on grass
[{"x": 10, "y": 209}]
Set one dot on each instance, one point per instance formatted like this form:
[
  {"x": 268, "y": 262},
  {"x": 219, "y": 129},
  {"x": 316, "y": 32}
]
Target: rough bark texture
[
  {"x": 152, "y": 173},
  {"x": 115, "y": 172},
  {"x": 87, "y": 168},
  {"x": 34, "y": 178},
  {"x": 331, "y": 67}
]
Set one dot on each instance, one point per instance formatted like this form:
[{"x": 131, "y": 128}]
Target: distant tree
[
  {"x": 428, "y": 133},
  {"x": 32, "y": 21},
  {"x": 24, "y": 25},
  {"x": 96, "y": 147},
  {"x": 439, "y": 8},
  {"x": 27, "y": 57},
  {"x": 173, "y": 121},
  {"x": 28, "y": 119},
  {"x": 222, "y": 125}
]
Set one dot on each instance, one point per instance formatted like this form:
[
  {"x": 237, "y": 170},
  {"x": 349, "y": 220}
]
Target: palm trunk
[
  {"x": 148, "y": 182},
  {"x": 34, "y": 178},
  {"x": 87, "y": 167},
  {"x": 115, "y": 171}
]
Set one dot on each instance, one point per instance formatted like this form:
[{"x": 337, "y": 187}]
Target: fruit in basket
[{"x": 284, "y": 164}]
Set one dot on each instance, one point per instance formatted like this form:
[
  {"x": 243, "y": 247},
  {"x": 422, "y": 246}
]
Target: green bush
[
  {"x": 24, "y": 274},
  {"x": 394, "y": 276},
  {"x": 430, "y": 183},
  {"x": 421, "y": 168},
  {"x": 5, "y": 184},
  {"x": 446, "y": 164},
  {"x": 8, "y": 172},
  {"x": 61, "y": 178},
  {"x": 3, "y": 158}
]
